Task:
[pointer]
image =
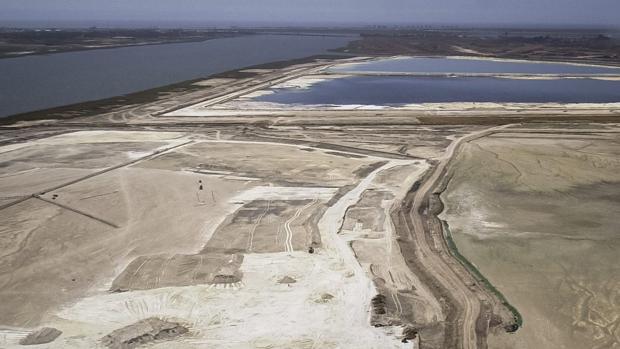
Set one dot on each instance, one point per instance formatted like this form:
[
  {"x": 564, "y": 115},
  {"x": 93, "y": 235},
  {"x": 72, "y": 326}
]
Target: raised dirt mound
[
  {"x": 42, "y": 336},
  {"x": 142, "y": 332},
  {"x": 287, "y": 280}
]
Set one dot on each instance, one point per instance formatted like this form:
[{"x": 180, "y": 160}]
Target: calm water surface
[
  {"x": 400, "y": 90},
  {"x": 39, "y": 82},
  {"x": 450, "y": 65}
]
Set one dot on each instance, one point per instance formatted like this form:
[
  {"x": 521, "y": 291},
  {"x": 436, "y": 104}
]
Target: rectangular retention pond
[{"x": 403, "y": 90}]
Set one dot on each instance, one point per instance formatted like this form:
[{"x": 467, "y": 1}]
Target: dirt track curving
[{"x": 450, "y": 280}]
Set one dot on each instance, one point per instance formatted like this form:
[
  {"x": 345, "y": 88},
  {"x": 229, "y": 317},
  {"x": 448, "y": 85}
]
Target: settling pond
[
  {"x": 415, "y": 80},
  {"x": 403, "y": 90}
]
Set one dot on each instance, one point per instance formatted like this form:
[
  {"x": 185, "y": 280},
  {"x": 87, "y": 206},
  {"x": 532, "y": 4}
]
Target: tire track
[
  {"x": 74, "y": 210},
  {"x": 253, "y": 230},
  {"x": 287, "y": 225}
]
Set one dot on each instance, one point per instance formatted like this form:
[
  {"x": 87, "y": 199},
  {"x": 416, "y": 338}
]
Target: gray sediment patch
[{"x": 536, "y": 216}]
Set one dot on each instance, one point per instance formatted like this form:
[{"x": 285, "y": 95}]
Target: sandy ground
[
  {"x": 417, "y": 141},
  {"x": 250, "y": 104},
  {"x": 285, "y": 163},
  {"x": 117, "y": 215},
  {"x": 152, "y": 222},
  {"x": 214, "y": 82},
  {"x": 39, "y": 165},
  {"x": 246, "y": 107},
  {"x": 535, "y": 213}
]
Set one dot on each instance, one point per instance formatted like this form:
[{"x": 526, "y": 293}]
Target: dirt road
[{"x": 468, "y": 305}]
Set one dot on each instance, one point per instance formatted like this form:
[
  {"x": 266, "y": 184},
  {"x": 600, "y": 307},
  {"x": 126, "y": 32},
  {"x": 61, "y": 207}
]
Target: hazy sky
[{"x": 546, "y": 12}]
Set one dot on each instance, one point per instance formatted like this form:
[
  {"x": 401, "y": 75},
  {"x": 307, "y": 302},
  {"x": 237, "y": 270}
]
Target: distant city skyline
[{"x": 317, "y": 12}]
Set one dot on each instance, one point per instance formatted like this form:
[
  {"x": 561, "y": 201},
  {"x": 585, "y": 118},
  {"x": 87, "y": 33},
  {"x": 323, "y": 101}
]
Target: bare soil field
[{"x": 248, "y": 225}]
